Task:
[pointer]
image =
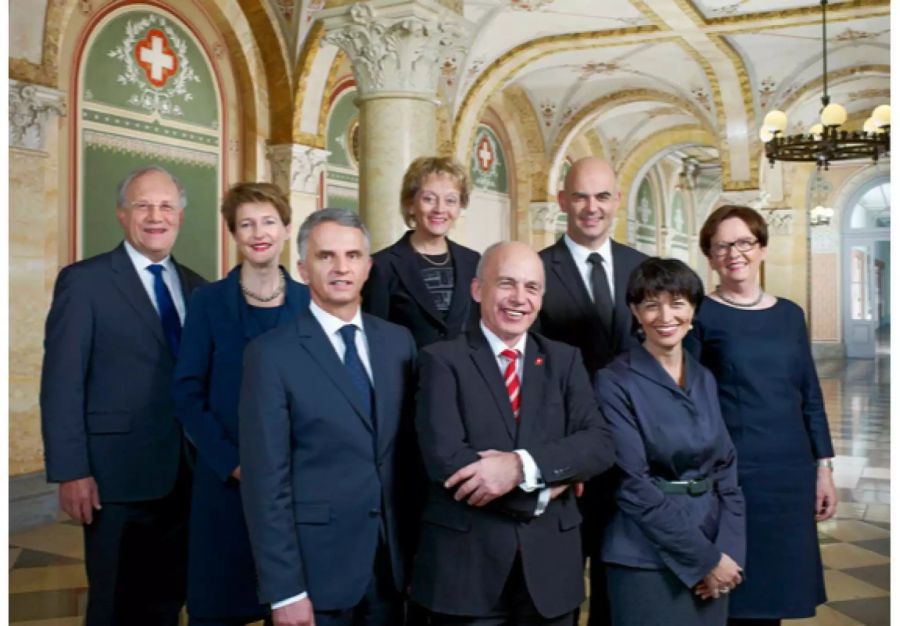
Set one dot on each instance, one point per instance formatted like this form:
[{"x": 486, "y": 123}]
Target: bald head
[
  {"x": 509, "y": 285},
  {"x": 590, "y": 198}
]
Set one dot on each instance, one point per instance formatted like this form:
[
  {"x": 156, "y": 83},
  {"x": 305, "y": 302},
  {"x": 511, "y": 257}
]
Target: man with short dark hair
[
  {"x": 325, "y": 403},
  {"x": 585, "y": 307},
  {"x": 507, "y": 424},
  {"x": 111, "y": 439}
]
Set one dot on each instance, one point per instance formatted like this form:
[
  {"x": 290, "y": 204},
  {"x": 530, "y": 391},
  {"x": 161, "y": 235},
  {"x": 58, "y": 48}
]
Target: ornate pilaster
[
  {"x": 30, "y": 108},
  {"x": 394, "y": 49},
  {"x": 297, "y": 169},
  {"x": 543, "y": 221}
]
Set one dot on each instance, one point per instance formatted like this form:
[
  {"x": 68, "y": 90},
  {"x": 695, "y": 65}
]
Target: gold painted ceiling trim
[
  {"x": 46, "y": 72},
  {"x": 841, "y": 11},
  {"x": 833, "y": 78},
  {"x": 604, "y": 103},
  {"x": 528, "y": 128},
  {"x": 311, "y": 47},
  {"x": 510, "y": 63},
  {"x": 325, "y": 106}
]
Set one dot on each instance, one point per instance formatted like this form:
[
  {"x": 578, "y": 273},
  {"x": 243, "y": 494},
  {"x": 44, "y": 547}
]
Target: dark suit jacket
[
  {"x": 466, "y": 553},
  {"x": 318, "y": 480},
  {"x": 395, "y": 292},
  {"x": 206, "y": 388},
  {"x": 568, "y": 314},
  {"x": 662, "y": 431},
  {"x": 106, "y": 401}
]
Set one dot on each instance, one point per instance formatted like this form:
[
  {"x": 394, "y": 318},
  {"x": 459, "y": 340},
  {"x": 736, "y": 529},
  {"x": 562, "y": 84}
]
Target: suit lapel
[
  {"x": 621, "y": 273},
  {"x": 129, "y": 284},
  {"x": 408, "y": 271},
  {"x": 460, "y": 301},
  {"x": 382, "y": 379},
  {"x": 234, "y": 304},
  {"x": 320, "y": 349},
  {"x": 487, "y": 366},
  {"x": 533, "y": 380},
  {"x": 568, "y": 274}
]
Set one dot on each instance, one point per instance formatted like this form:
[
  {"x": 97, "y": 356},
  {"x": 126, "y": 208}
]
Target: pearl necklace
[
  {"x": 743, "y": 305},
  {"x": 278, "y": 291}
]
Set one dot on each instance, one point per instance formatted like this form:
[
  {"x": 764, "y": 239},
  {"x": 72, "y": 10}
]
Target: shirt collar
[
  {"x": 141, "y": 262},
  {"x": 331, "y": 324},
  {"x": 581, "y": 253},
  {"x": 498, "y": 345}
]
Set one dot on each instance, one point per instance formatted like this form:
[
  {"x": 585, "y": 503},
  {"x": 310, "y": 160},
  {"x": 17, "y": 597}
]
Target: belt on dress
[{"x": 693, "y": 487}]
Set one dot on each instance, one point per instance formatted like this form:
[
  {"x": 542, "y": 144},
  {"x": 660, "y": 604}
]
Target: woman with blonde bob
[{"x": 422, "y": 281}]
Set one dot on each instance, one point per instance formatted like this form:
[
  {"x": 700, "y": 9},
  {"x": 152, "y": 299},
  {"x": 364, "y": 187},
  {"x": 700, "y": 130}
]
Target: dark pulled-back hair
[
  {"x": 657, "y": 275},
  {"x": 752, "y": 218}
]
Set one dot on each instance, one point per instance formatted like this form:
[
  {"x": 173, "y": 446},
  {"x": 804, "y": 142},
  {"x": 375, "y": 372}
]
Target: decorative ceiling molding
[{"x": 834, "y": 78}]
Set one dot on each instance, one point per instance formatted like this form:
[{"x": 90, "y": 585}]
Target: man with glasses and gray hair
[
  {"x": 111, "y": 439},
  {"x": 325, "y": 418}
]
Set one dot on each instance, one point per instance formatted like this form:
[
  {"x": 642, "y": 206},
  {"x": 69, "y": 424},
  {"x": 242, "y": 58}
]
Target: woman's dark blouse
[{"x": 772, "y": 405}]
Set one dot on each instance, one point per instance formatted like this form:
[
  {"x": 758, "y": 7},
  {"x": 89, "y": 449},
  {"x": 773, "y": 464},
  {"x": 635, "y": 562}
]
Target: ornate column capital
[
  {"x": 295, "y": 167},
  {"x": 543, "y": 215},
  {"x": 395, "y": 46},
  {"x": 30, "y": 107}
]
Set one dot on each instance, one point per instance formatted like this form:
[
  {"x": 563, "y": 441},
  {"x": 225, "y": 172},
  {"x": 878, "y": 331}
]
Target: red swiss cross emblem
[
  {"x": 485, "y": 154},
  {"x": 156, "y": 57}
]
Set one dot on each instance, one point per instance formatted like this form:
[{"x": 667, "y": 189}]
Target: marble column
[
  {"x": 395, "y": 50},
  {"x": 298, "y": 170},
  {"x": 37, "y": 250}
]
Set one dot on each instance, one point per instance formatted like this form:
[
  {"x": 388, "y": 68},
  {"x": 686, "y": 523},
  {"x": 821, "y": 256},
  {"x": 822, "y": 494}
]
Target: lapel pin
[{"x": 539, "y": 360}]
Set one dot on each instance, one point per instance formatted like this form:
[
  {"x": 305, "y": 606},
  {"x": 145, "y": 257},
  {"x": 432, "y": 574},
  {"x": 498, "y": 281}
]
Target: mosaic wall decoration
[{"x": 488, "y": 164}]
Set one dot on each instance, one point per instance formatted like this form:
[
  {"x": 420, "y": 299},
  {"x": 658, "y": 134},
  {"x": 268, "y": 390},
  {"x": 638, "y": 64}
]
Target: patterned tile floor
[{"x": 48, "y": 588}]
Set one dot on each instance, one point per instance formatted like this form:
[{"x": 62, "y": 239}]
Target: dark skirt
[{"x": 657, "y": 598}]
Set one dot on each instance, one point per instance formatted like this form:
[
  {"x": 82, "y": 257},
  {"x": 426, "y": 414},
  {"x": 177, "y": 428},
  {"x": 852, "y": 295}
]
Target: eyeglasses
[
  {"x": 146, "y": 207},
  {"x": 741, "y": 245}
]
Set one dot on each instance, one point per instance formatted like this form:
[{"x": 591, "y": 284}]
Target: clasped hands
[
  {"x": 493, "y": 475},
  {"x": 724, "y": 577}
]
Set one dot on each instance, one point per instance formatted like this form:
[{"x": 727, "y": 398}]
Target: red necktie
[{"x": 511, "y": 378}]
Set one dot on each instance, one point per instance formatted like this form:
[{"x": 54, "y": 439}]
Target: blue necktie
[
  {"x": 355, "y": 368},
  {"x": 167, "y": 313}
]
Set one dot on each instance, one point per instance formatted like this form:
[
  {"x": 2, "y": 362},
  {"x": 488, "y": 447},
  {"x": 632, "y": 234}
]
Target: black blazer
[
  {"x": 106, "y": 401},
  {"x": 465, "y": 553},
  {"x": 320, "y": 482},
  {"x": 568, "y": 314},
  {"x": 395, "y": 292}
]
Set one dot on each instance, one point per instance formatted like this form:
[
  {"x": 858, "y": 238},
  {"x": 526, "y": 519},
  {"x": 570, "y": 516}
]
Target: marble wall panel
[{"x": 825, "y": 297}]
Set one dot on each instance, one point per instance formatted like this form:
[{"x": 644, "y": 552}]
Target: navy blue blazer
[
  {"x": 568, "y": 313},
  {"x": 466, "y": 553},
  {"x": 221, "y": 580},
  {"x": 319, "y": 480},
  {"x": 395, "y": 292},
  {"x": 106, "y": 402},
  {"x": 666, "y": 432}
]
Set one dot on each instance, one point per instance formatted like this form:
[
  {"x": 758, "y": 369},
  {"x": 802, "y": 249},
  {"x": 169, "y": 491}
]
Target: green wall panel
[{"x": 488, "y": 164}]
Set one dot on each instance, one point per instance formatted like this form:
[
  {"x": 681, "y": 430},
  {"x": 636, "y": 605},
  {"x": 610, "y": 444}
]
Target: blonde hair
[{"x": 423, "y": 167}]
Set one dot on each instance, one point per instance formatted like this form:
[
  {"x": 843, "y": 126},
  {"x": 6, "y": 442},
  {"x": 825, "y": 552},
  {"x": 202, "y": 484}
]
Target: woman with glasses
[
  {"x": 256, "y": 296},
  {"x": 675, "y": 545},
  {"x": 422, "y": 281},
  {"x": 758, "y": 348}
]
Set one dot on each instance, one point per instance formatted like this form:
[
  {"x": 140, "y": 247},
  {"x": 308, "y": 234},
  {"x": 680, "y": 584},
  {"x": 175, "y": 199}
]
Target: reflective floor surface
[{"x": 48, "y": 588}]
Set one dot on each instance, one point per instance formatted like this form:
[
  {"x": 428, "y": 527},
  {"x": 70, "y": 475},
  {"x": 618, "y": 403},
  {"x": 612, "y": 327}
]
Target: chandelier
[{"x": 826, "y": 142}]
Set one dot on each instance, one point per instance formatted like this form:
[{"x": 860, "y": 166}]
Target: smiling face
[
  {"x": 510, "y": 290},
  {"x": 152, "y": 214},
  {"x": 732, "y": 265},
  {"x": 436, "y": 205},
  {"x": 590, "y": 200},
  {"x": 336, "y": 266},
  {"x": 259, "y": 233},
  {"x": 665, "y": 319}
]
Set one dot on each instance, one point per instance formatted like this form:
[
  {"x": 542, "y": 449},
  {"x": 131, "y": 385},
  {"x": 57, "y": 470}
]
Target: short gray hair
[
  {"x": 342, "y": 217},
  {"x": 133, "y": 174}
]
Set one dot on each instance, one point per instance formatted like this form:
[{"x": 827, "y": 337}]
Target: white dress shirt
[
  {"x": 169, "y": 276},
  {"x": 332, "y": 325},
  {"x": 532, "y": 474},
  {"x": 580, "y": 255}
]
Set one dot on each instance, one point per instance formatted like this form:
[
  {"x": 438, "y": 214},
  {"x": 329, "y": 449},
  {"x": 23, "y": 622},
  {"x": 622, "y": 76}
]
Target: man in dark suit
[
  {"x": 111, "y": 440},
  {"x": 506, "y": 424},
  {"x": 585, "y": 307},
  {"x": 324, "y": 403}
]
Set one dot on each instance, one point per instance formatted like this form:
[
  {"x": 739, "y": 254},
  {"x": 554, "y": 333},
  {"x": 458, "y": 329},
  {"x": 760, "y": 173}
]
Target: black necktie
[
  {"x": 600, "y": 285},
  {"x": 167, "y": 312},
  {"x": 355, "y": 368}
]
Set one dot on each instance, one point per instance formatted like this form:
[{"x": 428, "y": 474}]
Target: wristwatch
[{"x": 825, "y": 463}]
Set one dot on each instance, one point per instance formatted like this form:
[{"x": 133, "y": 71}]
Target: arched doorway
[{"x": 867, "y": 269}]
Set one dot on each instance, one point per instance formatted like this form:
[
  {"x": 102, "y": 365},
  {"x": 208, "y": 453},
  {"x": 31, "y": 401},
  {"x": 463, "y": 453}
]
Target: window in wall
[{"x": 874, "y": 209}]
